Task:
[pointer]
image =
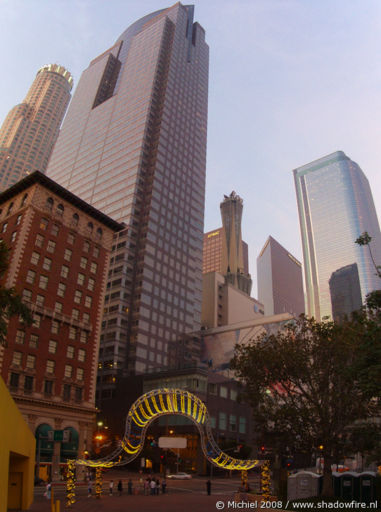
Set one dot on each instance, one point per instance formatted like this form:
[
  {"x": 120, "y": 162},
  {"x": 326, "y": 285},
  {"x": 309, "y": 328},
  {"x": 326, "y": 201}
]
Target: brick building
[{"x": 59, "y": 256}]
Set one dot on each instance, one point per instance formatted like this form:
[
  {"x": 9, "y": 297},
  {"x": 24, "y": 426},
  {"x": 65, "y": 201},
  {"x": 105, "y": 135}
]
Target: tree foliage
[
  {"x": 310, "y": 383},
  {"x": 10, "y": 302}
]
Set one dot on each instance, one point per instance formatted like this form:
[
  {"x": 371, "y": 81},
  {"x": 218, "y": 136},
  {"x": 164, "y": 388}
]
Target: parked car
[{"x": 179, "y": 476}]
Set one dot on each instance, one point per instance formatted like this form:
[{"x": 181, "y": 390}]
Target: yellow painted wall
[{"x": 17, "y": 450}]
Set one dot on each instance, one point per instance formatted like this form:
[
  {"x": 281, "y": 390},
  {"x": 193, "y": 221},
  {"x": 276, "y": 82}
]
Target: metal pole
[{"x": 38, "y": 456}]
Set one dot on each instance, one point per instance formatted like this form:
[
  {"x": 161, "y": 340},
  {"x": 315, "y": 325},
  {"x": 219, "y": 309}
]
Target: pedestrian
[
  {"x": 129, "y": 486},
  {"x": 157, "y": 488},
  {"x": 208, "y": 487},
  {"x": 120, "y": 487},
  {"x": 48, "y": 490},
  {"x": 89, "y": 488},
  {"x": 146, "y": 486},
  {"x": 153, "y": 486},
  {"x": 111, "y": 487},
  {"x": 163, "y": 485}
]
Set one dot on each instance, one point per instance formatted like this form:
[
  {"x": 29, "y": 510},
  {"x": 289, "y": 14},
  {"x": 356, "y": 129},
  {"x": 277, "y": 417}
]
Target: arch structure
[{"x": 160, "y": 402}]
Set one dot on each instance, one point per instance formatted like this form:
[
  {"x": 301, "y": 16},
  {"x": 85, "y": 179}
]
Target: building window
[
  {"x": 67, "y": 254},
  {"x": 77, "y": 296},
  {"x": 88, "y": 301},
  {"x": 86, "y": 246},
  {"x": 70, "y": 352},
  {"x": 25, "y": 197},
  {"x": 28, "y": 383},
  {"x": 80, "y": 373},
  {"x": 52, "y": 347},
  {"x": 37, "y": 320},
  {"x": 68, "y": 371},
  {"x": 81, "y": 355},
  {"x": 78, "y": 394},
  {"x": 43, "y": 282},
  {"x": 67, "y": 392},
  {"x": 58, "y": 307},
  {"x": 17, "y": 358},
  {"x": 35, "y": 258},
  {"x": 93, "y": 267},
  {"x": 61, "y": 289},
  {"x": 222, "y": 420},
  {"x": 20, "y": 337},
  {"x": 50, "y": 366},
  {"x": 75, "y": 314},
  {"x": 81, "y": 278},
  {"x": 13, "y": 237},
  {"x": 39, "y": 242},
  {"x": 10, "y": 207},
  {"x": 49, "y": 203},
  {"x": 47, "y": 265},
  {"x": 55, "y": 327},
  {"x": 31, "y": 362},
  {"x": 14, "y": 380},
  {"x": 40, "y": 300},
  {"x": 70, "y": 238},
  {"x": 96, "y": 252},
  {"x": 60, "y": 209},
  {"x": 18, "y": 220},
  {"x": 5, "y": 225},
  {"x": 86, "y": 318},
  {"x": 30, "y": 276},
  {"x": 51, "y": 246},
  {"x": 33, "y": 341},
  {"x": 64, "y": 271},
  {"x": 83, "y": 262},
  {"x": 83, "y": 337},
  {"x": 75, "y": 219},
  {"x": 55, "y": 230},
  {"x": 72, "y": 333},
  {"x": 223, "y": 392},
  {"x": 91, "y": 284},
  {"x": 48, "y": 387},
  {"x": 242, "y": 425},
  {"x": 44, "y": 223},
  {"x": 99, "y": 234},
  {"x": 233, "y": 422},
  {"x": 27, "y": 295},
  {"x": 212, "y": 421}
]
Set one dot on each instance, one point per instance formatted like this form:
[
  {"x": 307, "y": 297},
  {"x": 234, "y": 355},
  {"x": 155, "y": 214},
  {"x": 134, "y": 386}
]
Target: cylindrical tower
[{"x": 30, "y": 130}]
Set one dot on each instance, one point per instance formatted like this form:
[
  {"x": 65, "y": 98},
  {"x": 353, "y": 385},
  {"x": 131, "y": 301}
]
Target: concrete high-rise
[
  {"x": 335, "y": 206},
  {"x": 30, "y": 130},
  {"x": 232, "y": 253},
  {"x": 133, "y": 144},
  {"x": 280, "y": 280}
]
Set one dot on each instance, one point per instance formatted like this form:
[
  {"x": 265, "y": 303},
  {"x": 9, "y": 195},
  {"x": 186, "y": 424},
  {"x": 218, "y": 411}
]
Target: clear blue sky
[{"x": 290, "y": 81}]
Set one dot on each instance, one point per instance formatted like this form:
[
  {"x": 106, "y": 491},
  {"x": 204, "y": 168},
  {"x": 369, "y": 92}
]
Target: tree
[
  {"x": 10, "y": 302},
  {"x": 308, "y": 385},
  {"x": 373, "y": 299}
]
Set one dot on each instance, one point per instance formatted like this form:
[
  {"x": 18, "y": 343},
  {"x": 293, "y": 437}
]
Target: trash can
[{"x": 367, "y": 486}]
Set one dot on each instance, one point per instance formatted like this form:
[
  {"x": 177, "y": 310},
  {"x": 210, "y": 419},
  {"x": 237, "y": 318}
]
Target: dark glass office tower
[
  {"x": 30, "y": 130},
  {"x": 335, "y": 206},
  {"x": 344, "y": 286},
  {"x": 133, "y": 144}
]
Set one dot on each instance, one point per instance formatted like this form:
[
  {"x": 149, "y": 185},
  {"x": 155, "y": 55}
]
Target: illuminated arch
[{"x": 160, "y": 402}]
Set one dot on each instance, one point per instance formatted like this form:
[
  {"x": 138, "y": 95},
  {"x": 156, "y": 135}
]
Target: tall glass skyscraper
[
  {"x": 133, "y": 144},
  {"x": 335, "y": 206},
  {"x": 30, "y": 130}
]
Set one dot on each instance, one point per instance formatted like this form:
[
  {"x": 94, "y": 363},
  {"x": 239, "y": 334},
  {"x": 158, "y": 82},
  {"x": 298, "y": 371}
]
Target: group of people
[
  {"x": 111, "y": 488},
  {"x": 152, "y": 486}
]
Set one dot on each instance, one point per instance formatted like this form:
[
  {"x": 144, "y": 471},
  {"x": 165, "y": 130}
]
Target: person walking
[
  {"x": 153, "y": 486},
  {"x": 48, "y": 490},
  {"x": 129, "y": 486},
  {"x": 208, "y": 487},
  {"x": 89, "y": 489},
  {"x": 157, "y": 488},
  {"x": 163, "y": 485},
  {"x": 120, "y": 487},
  {"x": 146, "y": 486},
  {"x": 111, "y": 487}
]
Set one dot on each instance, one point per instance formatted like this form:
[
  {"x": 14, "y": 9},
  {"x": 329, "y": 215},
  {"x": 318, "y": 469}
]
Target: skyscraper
[
  {"x": 344, "y": 286},
  {"x": 335, "y": 206},
  {"x": 212, "y": 252},
  {"x": 133, "y": 144},
  {"x": 31, "y": 128},
  {"x": 232, "y": 253},
  {"x": 280, "y": 280}
]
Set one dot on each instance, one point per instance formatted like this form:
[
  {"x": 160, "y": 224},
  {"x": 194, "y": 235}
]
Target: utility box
[{"x": 303, "y": 484}]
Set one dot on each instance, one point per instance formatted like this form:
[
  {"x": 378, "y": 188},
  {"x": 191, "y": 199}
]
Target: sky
[{"x": 290, "y": 81}]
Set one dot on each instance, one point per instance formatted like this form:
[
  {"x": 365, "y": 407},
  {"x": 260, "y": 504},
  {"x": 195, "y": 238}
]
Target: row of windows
[
  {"x": 30, "y": 363},
  {"x": 223, "y": 423},
  {"x": 40, "y": 239},
  {"x": 35, "y": 258},
  {"x": 34, "y": 339},
  {"x": 11, "y": 205},
  {"x": 48, "y": 387},
  {"x": 58, "y": 308}
]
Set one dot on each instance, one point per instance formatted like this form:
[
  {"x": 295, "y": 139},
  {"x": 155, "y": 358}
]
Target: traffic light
[{"x": 263, "y": 449}]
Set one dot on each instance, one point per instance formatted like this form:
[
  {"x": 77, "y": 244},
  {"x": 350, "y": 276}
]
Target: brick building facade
[{"x": 59, "y": 256}]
